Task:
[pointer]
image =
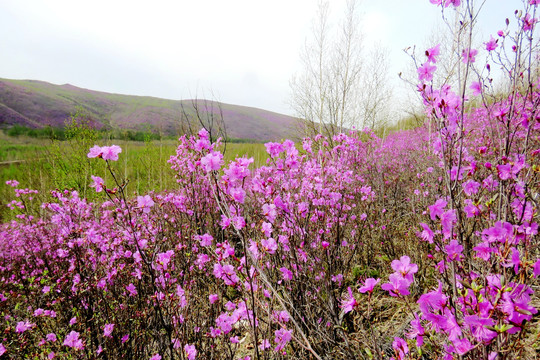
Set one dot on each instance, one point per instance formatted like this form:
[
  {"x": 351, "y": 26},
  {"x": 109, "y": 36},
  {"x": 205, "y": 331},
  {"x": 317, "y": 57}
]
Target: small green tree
[{"x": 70, "y": 167}]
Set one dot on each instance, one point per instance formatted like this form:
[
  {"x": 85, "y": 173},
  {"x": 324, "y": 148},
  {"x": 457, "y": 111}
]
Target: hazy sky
[{"x": 244, "y": 51}]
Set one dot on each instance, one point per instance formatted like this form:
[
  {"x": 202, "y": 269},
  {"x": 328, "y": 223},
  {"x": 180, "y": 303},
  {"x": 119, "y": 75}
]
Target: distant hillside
[{"x": 37, "y": 104}]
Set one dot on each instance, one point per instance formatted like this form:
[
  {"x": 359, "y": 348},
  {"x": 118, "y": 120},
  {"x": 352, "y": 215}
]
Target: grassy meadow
[{"x": 45, "y": 165}]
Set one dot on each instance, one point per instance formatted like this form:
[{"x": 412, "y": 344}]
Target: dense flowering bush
[{"x": 423, "y": 244}]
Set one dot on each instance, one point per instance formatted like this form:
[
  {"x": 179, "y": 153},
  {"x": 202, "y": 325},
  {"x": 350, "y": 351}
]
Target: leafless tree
[
  {"x": 331, "y": 93},
  {"x": 203, "y": 113},
  {"x": 310, "y": 87},
  {"x": 376, "y": 93}
]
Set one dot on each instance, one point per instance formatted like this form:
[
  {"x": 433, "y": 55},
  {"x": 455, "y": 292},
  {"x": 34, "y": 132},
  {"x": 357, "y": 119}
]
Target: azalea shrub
[{"x": 423, "y": 244}]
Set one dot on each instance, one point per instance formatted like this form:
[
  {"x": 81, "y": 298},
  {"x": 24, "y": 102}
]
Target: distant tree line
[
  {"x": 60, "y": 133},
  {"x": 57, "y": 133}
]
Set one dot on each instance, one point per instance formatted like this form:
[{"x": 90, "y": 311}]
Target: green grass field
[{"x": 45, "y": 165}]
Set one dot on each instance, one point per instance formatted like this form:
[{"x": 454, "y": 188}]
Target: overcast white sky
[{"x": 245, "y": 51}]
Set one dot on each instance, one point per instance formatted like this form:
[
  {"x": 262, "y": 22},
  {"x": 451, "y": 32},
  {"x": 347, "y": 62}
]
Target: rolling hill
[{"x": 37, "y": 104}]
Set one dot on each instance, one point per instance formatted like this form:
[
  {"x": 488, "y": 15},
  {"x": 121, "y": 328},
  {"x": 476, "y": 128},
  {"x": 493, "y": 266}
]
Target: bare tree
[
  {"x": 376, "y": 93},
  {"x": 330, "y": 92},
  {"x": 310, "y": 87},
  {"x": 206, "y": 114}
]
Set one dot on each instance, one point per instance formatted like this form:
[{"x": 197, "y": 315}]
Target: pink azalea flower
[
  {"x": 12, "y": 183},
  {"x": 270, "y": 212},
  {"x": 528, "y": 22},
  {"x": 51, "y": 337},
  {"x": 417, "y": 331},
  {"x": 212, "y": 161},
  {"x": 397, "y": 285},
  {"x": 456, "y": 3},
  {"x": 95, "y": 152},
  {"x": 206, "y": 240},
  {"x": 454, "y": 251},
  {"x": 476, "y": 88},
  {"x": 98, "y": 183},
  {"x": 471, "y": 187},
  {"x": 105, "y": 152},
  {"x": 505, "y": 171},
  {"x": 286, "y": 273},
  {"x": 491, "y": 44},
  {"x": 536, "y": 268},
  {"x": 72, "y": 340},
  {"x": 239, "y": 222},
  {"x": 238, "y": 194},
  {"x": 265, "y": 344},
  {"x": 369, "y": 285},
  {"x": 463, "y": 346},
  {"x": 226, "y": 273},
  {"x": 405, "y": 268},
  {"x": 432, "y": 301},
  {"x": 349, "y": 304},
  {"x": 426, "y": 234},
  {"x": 269, "y": 245},
  {"x": 437, "y": 209},
  {"x": 274, "y": 149},
  {"x": 107, "y": 330},
  {"x": 191, "y": 351},
  {"x": 111, "y": 152},
  {"x": 23, "y": 326},
  {"x": 483, "y": 251},
  {"x": 425, "y": 72},
  {"x": 281, "y": 316},
  {"x": 283, "y": 336},
  {"x": 2, "y": 349},
  {"x": 213, "y": 298},
  {"x": 131, "y": 289},
  {"x": 448, "y": 219},
  {"x": 163, "y": 259},
  {"x": 145, "y": 202},
  {"x": 156, "y": 357},
  {"x": 515, "y": 260},
  {"x": 469, "y": 55},
  {"x": 202, "y": 144},
  {"x": 400, "y": 347},
  {"x": 433, "y": 53},
  {"x": 478, "y": 327}
]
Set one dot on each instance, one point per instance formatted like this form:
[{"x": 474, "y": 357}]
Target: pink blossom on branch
[
  {"x": 426, "y": 234},
  {"x": 454, "y": 251},
  {"x": 95, "y": 151},
  {"x": 107, "y": 330},
  {"x": 405, "y": 268},
  {"x": 433, "y": 53},
  {"x": 283, "y": 336},
  {"x": 105, "y": 152},
  {"x": 469, "y": 55},
  {"x": 111, "y": 152},
  {"x": 349, "y": 303},
  {"x": 145, "y": 203},
  {"x": 98, "y": 183},
  {"x": 191, "y": 351},
  {"x": 72, "y": 340},
  {"x": 425, "y": 72},
  {"x": 369, "y": 285},
  {"x": 491, "y": 44},
  {"x": 476, "y": 88},
  {"x": 212, "y": 161},
  {"x": 397, "y": 286}
]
